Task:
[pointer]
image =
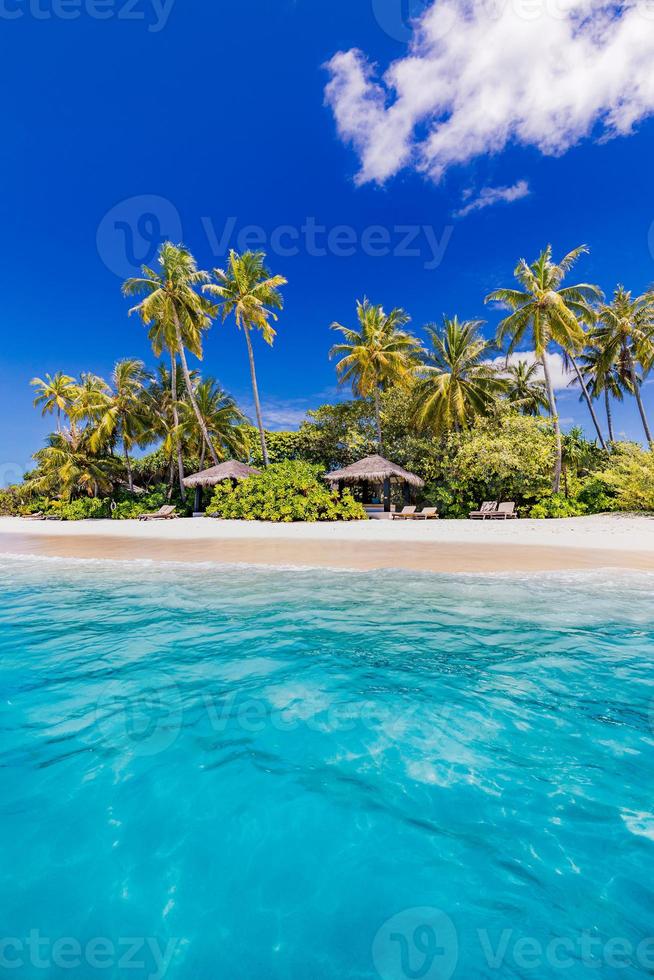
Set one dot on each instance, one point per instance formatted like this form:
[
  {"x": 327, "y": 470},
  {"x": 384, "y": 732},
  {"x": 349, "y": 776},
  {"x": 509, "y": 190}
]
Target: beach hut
[
  {"x": 231, "y": 470},
  {"x": 376, "y": 477}
]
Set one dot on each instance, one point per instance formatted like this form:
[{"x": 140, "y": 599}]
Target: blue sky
[{"x": 194, "y": 118}]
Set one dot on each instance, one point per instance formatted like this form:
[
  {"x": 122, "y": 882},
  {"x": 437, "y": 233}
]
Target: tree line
[{"x": 452, "y": 378}]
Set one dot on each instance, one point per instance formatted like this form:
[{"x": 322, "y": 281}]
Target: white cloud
[
  {"x": 482, "y": 74},
  {"x": 560, "y": 377},
  {"x": 488, "y": 196}
]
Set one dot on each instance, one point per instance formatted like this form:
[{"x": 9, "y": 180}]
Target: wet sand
[{"x": 430, "y": 556}]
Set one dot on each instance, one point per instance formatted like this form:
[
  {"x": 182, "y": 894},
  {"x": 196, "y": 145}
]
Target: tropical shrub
[
  {"x": 630, "y": 478},
  {"x": 557, "y": 505},
  {"x": 12, "y": 502},
  {"x": 131, "y": 507},
  {"x": 597, "y": 496},
  {"x": 508, "y": 458},
  {"x": 285, "y": 492},
  {"x": 83, "y": 509}
]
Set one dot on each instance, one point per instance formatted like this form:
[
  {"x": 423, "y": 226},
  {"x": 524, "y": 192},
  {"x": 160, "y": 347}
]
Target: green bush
[
  {"x": 84, "y": 509},
  {"x": 13, "y": 502},
  {"x": 597, "y": 496},
  {"x": 285, "y": 492},
  {"x": 558, "y": 506},
  {"x": 131, "y": 507},
  {"x": 630, "y": 478}
]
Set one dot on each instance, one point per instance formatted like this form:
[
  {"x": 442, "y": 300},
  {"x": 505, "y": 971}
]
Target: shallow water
[{"x": 228, "y": 772}]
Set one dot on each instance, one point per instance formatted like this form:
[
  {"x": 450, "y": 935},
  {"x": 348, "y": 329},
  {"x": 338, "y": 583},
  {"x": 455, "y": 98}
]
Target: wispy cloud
[
  {"x": 481, "y": 76},
  {"x": 488, "y": 196}
]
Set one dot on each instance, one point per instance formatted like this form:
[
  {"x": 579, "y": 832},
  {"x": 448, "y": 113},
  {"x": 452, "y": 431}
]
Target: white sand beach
[{"x": 600, "y": 541}]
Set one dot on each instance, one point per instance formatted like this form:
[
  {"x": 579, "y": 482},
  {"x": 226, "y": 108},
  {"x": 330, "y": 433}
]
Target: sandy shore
[{"x": 604, "y": 541}]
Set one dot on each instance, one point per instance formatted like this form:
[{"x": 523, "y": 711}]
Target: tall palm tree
[
  {"x": 554, "y": 315},
  {"x": 249, "y": 292},
  {"x": 164, "y": 397},
  {"x": 455, "y": 382},
  {"x": 124, "y": 413},
  {"x": 625, "y": 337},
  {"x": 524, "y": 388},
  {"x": 175, "y": 311},
  {"x": 56, "y": 393},
  {"x": 377, "y": 355},
  {"x": 222, "y": 417}
]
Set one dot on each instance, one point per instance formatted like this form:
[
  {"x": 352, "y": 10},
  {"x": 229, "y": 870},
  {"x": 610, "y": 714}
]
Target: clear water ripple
[{"x": 283, "y": 774}]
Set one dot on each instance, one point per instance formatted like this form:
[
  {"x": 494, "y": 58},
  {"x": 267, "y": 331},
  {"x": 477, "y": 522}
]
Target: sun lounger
[
  {"x": 166, "y": 513},
  {"x": 39, "y": 516},
  {"x": 505, "y": 512},
  {"x": 404, "y": 515},
  {"x": 488, "y": 508},
  {"x": 427, "y": 514}
]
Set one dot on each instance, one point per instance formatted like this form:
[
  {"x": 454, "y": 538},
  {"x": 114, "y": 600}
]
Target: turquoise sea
[{"x": 212, "y": 772}]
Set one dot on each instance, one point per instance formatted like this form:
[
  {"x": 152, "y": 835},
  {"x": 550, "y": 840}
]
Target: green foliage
[
  {"x": 596, "y": 496},
  {"x": 83, "y": 509},
  {"x": 557, "y": 505},
  {"x": 132, "y": 507},
  {"x": 285, "y": 492},
  {"x": 508, "y": 458},
  {"x": 281, "y": 446},
  {"x": 12, "y": 502},
  {"x": 630, "y": 478}
]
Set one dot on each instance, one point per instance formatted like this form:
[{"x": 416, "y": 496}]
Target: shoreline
[{"x": 600, "y": 542}]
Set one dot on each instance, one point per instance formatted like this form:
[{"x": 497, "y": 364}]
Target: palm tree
[
  {"x": 124, "y": 414},
  {"x": 251, "y": 293},
  {"x": 176, "y": 313},
  {"x": 67, "y": 466},
  {"x": 377, "y": 355},
  {"x": 223, "y": 419},
  {"x": 455, "y": 382},
  {"x": 577, "y": 454},
  {"x": 164, "y": 397},
  {"x": 625, "y": 338},
  {"x": 55, "y": 393},
  {"x": 524, "y": 389},
  {"x": 91, "y": 396},
  {"x": 553, "y": 314},
  {"x": 611, "y": 381}
]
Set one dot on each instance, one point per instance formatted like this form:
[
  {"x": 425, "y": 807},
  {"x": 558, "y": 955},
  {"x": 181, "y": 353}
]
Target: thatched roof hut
[
  {"x": 374, "y": 469},
  {"x": 231, "y": 470}
]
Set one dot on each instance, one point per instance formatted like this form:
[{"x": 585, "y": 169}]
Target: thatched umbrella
[
  {"x": 376, "y": 470},
  {"x": 231, "y": 470}
]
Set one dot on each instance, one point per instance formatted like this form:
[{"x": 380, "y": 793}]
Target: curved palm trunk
[
  {"x": 641, "y": 407},
  {"x": 556, "y": 482},
  {"x": 589, "y": 402},
  {"x": 378, "y": 418},
  {"x": 609, "y": 414},
  {"x": 191, "y": 393},
  {"x": 173, "y": 394},
  {"x": 255, "y": 395}
]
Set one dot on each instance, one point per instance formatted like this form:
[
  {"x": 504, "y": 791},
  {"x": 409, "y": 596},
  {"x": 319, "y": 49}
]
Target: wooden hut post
[{"x": 387, "y": 495}]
